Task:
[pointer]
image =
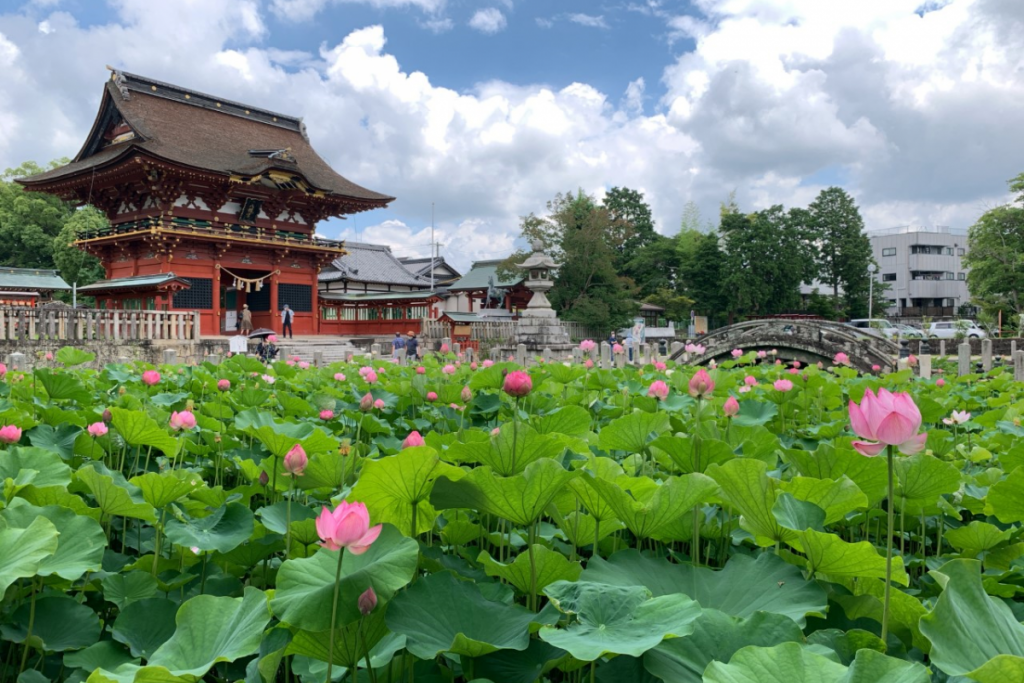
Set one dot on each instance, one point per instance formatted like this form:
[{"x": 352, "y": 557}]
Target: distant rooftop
[{"x": 907, "y": 229}]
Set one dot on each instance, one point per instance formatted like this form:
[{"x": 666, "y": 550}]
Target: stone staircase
[{"x": 331, "y": 349}]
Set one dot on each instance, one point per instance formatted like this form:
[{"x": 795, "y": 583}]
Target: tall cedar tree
[
  {"x": 631, "y": 230},
  {"x": 702, "y": 267},
  {"x": 842, "y": 249},
  {"x": 582, "y": 238}
]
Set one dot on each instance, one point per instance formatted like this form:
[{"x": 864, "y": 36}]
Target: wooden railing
[
  {"x": 23, "y": 324},
  {"x": 503, "y": 330}
]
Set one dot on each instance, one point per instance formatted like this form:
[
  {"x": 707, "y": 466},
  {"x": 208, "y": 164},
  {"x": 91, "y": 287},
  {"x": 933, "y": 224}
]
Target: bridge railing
[{"x": 67, "y": 324}]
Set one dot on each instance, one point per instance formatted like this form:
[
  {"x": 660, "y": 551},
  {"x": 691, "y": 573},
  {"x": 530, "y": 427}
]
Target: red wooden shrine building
[{"x": 212, "y": 205}]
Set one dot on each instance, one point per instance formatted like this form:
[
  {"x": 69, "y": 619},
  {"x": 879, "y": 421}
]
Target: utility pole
[{"x": 431, "y": 246}]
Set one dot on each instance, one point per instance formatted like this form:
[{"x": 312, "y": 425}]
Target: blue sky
[{"x": 488, "y": 108}]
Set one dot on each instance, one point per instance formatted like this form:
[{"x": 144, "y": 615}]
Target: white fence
[
  {"x": 23, "y": 324},
  {"x": 503, "y": 330}
]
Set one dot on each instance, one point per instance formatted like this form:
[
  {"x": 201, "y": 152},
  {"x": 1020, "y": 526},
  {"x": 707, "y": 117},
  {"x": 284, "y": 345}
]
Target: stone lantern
[{"x": 538, "y": 326}]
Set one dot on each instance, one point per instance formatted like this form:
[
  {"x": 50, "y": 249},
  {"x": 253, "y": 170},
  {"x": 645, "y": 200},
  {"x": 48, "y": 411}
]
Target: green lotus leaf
[
  {"x": 836, "y": 497},
  {"x": 747, "y": 487},
  {"x": 511, "y": 666},
  {"x": 140, "y": 430},
  {"x": 520, "y": 499},
  {"x": 589, "y": 496},
  {"x": 830, "y": 555},
  {"x": 789, "y": 662},
  {"x": 622, "y": 620},
  {"x": 716, "y": 637},
  {"x": 691, "y": 459},
  {"x": 36, "y": 466},
  {"x": 571, "y": 420},
  {"x": 905, "y": 611},
  {"x": 60, "y": 624},
  {"x": 24, "y": 550},
  {"x": 62, "y": 386},
  {"x": 1006, "y": 499},
  {"x": 745, "y": 586},
  {"x": 548, "y": 566},
  {"x": 222, "y": 530},
  {"x": 144, "y": 625},
  {"x": 646, "y": 509},
  {"x": 440, "y": 613},
  {"x": 59, "y": 439},
  {"x": 275, "y": 517},
  {"x": 305, "y": 587},
  {"x": 1000, "y": 669},
  {"x": 977, "y": 537},
  {"x": 871, "y": 666},
  {"x": 831, "y": 462},
  {"x": 162, "y": 489},
  {"x": 70, "y": 356},
  {"x": 967, "y": 627},
  {"x": 631, "y": 433},
  {"x": 128, "y": 587},
  {"x": 80, "y": 543},
  {"x": 798, "y": 515},
  {"x": 348, "y": 647},
  {"x": 391, "y": 486},
  {"x": 105, "y": 654},
  {"x": 755, "y": 413},
  {"x": 921, "y": 479}
]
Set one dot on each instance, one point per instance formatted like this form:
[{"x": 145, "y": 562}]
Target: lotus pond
[{"x": 561, "y": 523}]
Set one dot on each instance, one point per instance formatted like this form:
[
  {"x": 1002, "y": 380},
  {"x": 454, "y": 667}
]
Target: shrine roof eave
[
  {"x": 211, "y": 235},
  {"x": 379, "y": 297},
  {"x": 162, "y": 282}
]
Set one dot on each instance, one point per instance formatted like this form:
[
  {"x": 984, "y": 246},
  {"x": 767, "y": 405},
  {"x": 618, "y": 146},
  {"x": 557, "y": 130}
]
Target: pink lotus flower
[
  {"x": 587, "y": 345},
  {"x": 467, "y": 395},
  {"x": 48, "y": 356},
  {"x": 618, "y": 349},
  {"x": 289, "y": 362},
  {"x": 750, "y": 380},
  {"x": 701, "y": 384},
  {"x": 957, "y": 417},
  {"x": 97, "y": 429},
  {"x": 339, "y": 376},
  {"x": 10, "y": 434},
  {"x": 303, "y": 365},
  {"x": 370, "y": 377},
  {"x": 421, "y": 370},
  {"x": 912, "y": 360},
  {"x": 448, "y": 369},
  {"x": 744, "y": 389},
  {"x": 272, "y": 338},
  {"x": 796, "y": 364},
  {"x": 518, "y": 383},
  {"x": 326, "y": 414},
  {"x": 762, "y": 354},
  {"x": 888, "y": 420},
  {"x": 940, "y": 382},
  {"x": 295, "y": 358},
  {"x": 690, "y": 348},
  {"x": 224, "y": 385},
  {"x": 783, "y": 385},
  {"x": 658, "y": 390},
  {"x": 365, "y": 369},
  {"x": 793, "y": 371},
  {"x": 588, "y": 364},
  {"x": 379, "y": 404},
  {"x": 778, "y": 362},
  {"x": 366, "y": 402},
  {"x": 107, "y": 416},
  {"x": 269, "y": 379},
  {"x": 456, "y": 406},
  {"x": 511, "y": 358},
  {"x": 736, "y": 353},
  {"x": 488, "y": 363},
  {"x": 150, "y": 377},
  {"x": 431, "y": 396},
  {"x": 731, "y": 407},
  {"x": 699, "y": 349},
  {"x": 367, "y": 601},
  {"x": 3, "y": 370},
  {"x": 473, "y": 366},
  {"x": 414, "y": 439},
  {"x": 496, "y": 431},
  {"x": 348, "y": 526},
  {"x": 183, "y": 420},
  {"x": 295, "y": 460},
  {"x": 445, "y": 348},
  {"x": 841, "y": 359},
  {"x": 876, "y": 368},
  {"x": 659, "y": 366}
]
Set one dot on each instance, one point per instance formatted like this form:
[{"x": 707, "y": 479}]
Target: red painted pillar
[{"x": 275, "y": 315}]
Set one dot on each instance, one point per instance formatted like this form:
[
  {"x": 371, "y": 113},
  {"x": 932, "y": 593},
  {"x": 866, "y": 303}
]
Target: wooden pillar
[
  {"x": 315, "y": 301},
  {"x": 274, "y": 313},
  {"x": 216, "y": 300}
]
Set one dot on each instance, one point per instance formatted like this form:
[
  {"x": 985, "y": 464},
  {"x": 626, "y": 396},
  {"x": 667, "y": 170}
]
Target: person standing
[
  {"x": 397, "y": 344},
  {"x": 287, "y": 315},
  {"x": 246, "y": 319},
  {"x": 412, "y": 347}
]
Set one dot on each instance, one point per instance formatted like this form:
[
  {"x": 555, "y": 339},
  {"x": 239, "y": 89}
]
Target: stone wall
[
  {"x": 112, "y": 351},
  {"x": 1000, "y": 347}
]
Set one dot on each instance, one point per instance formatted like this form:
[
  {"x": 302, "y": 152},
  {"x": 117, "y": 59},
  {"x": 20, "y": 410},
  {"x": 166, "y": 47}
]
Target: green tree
[
  {"x": 631, "y": 228},
  {"x": 842, "y": 250},
  {"x": 582, "y": 238},
  {"x": 29, "y": 221},
  {"x": 701, "y": 274},
  {"x": 654, "y": 267},
  {"x": 74, "y": 264},
  {"x": 995, "y": 255}
]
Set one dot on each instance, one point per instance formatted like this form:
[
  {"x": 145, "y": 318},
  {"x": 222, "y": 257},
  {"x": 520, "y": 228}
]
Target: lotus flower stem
[
  {"x": 288, "y": 519},
  {"x": 889, "y": 455},
  {"x": 533, "y": 567},
  {"x": 597, "y": 535},
  {"x": 334, "y": 616},
  {"x": 31, "y": 625},
  {"x": 366, "y": 651}
]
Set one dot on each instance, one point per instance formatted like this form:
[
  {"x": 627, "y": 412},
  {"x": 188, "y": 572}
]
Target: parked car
[
  {"x": 879, "y": 327},
  {"x": 951, "y": 329},
  {"x": 910, "y": 332}
]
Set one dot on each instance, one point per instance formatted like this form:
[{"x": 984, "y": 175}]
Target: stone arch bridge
[{"x": 808, "y": 341}]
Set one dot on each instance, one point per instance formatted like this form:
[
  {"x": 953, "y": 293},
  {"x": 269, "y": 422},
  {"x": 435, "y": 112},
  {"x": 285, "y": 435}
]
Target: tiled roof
[
  {"x": 479, "y": 277},
  {"x": 141, "y": 282},
  {"x": 206, "y": 132},
  {"x": 422, "y": 295},
  {"x": 370, "y": 263},
  {"x": 462, "y": 317},
  {"x": 421, "y": 267},
  {"x": 35, "y": 279}
]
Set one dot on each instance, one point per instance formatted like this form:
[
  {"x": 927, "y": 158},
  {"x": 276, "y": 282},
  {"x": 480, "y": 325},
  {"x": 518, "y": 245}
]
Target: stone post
[
  {"x": 1018, "y": 366},
  {"x": 470, "y": 354},
  {"x": 1013, "y": 348},
  {"x": 986, "y": 354},
  {"x": 318, "y": 359},
  {"x": 446, "y": 341},
  {"x": 170, "y": 357},
  {"x": 456, "y": 349},
  {"x": 16, "y": 361},
  {"x": 577, "y": 356},
  {"x": 674, "y": 348},
  {"x": 942, "y": 348},
  {"x": 963, "y": 364},
  {"x": 644, "y": 356},
  {"x": 902, "y": 364},
  {"x": 521, "y": 354},
  {"x": 213, "y": 359},
  {"x": 546, "y": 355},
  {"x": 924, "y": 364},
  {"x": 374, "y": 351},
  {"x": 606, "y": 355},
  {"x": 620, "y": 359}
]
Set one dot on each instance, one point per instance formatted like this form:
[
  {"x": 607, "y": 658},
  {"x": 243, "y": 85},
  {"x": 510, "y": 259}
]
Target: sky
[{"x": 477, "y": 112}]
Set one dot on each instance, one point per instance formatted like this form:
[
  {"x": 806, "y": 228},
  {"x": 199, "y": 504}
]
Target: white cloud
[
  {"x": 304, "y": 10},
  {"x": 544, "y": 22},
  {"x": 438, "y": 24},
  {"x": 588, "y": 20},
  {"x": 488, "y": 20}
]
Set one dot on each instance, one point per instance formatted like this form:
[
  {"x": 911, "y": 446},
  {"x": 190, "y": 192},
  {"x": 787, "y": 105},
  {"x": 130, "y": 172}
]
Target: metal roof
[
  {"x": 135, "y": 282},
  {"x": 370, "y": 263},
  {"x": 479, "y": 277},
  {"x": 462, "y": 317},
  {"x": 377, "y": 296},
  {"x": 35, "y": 279}
]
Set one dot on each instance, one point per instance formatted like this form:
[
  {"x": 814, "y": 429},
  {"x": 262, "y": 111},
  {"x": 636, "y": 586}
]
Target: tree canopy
[
  {"x": 842, "y": 251},
  {"x": 995, "y": 255}
]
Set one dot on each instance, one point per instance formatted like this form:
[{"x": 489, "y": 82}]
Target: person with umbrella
[{"x": 266, "y": 349}]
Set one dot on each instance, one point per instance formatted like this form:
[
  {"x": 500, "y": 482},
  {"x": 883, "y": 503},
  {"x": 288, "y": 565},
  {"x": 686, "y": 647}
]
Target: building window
[
  {"x": 197, "y": 297},
  {"x": 328, "y": 313},
  {"x": 259, "y": 299},
  {"x": 947, "y": 276},
  {"x": 961, "y": 276},
  {"x": 889, "y": 251},
  {"x": 888, "y": 277},
  {"x": 948, "y": 251},
  {"x": 961, "y": 251},
  {"x": 299, "y": 297}
]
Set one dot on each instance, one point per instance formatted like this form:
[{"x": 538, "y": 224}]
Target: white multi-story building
[{"x": 923, "y": 268}]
